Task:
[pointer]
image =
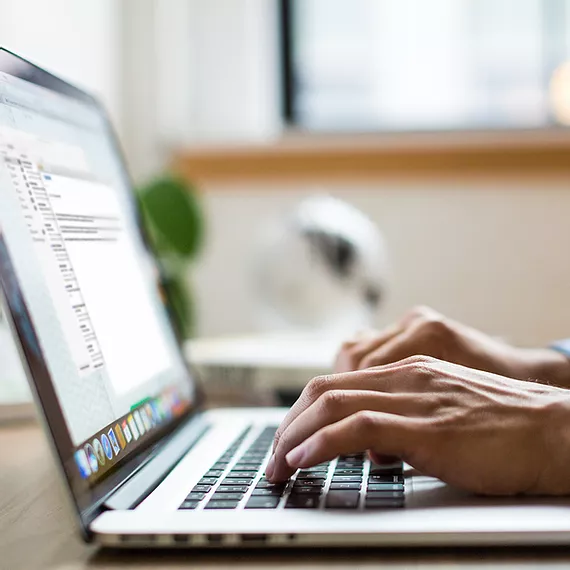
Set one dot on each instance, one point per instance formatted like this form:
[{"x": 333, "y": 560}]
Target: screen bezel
[{"x": 87, "y": 499}]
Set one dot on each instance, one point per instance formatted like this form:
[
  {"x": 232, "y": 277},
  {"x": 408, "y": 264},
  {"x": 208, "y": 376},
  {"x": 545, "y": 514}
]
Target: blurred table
[
  {"x": 264, "y": 369},
  {"x": 37, "y": 531}
]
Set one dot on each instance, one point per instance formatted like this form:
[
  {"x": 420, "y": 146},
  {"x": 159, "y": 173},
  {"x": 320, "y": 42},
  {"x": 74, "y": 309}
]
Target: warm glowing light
[{"x": 560, "y": 93}]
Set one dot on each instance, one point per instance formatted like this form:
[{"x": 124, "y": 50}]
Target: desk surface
[{"x": 38, "y": 531}]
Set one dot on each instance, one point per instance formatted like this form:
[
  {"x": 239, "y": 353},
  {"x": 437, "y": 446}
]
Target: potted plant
[{"x": 174, "y": 222}]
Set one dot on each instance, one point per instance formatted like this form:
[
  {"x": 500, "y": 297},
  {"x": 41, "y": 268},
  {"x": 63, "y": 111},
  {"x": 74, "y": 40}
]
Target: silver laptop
[{"x": 144, "y": 464}]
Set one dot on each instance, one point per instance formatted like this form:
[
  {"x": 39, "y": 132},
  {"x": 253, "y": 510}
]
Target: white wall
[
  {"x": 492, "y": 255},
  {"x": 218, "y": 78},
  {"x": 77, "y": 39},
  {"x": 196, "y": 71}
]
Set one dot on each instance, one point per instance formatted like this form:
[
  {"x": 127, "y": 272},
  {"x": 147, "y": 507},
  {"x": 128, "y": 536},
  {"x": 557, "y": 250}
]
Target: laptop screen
[{"x": 81, "y": 285}]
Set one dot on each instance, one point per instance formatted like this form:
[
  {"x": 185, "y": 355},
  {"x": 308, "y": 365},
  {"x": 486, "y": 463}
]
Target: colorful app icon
[
  {"x": 99, "y": 451},
  {"x": 165, "y": 408},
  {"x": 114, "y": 442},
  {"x": 91, "y": 457},
  {"x": 139, "y": 421},
  {"x": 133, "y": 426},
  {"x": 127, "y": 431},
  {"x": 177, "y": 404},
  {"x": 155, "y": 411},
  {"x": 149, "y": 414},
  {"x": 161, "y": 408},
  {"x": 120, "y": 436},
  {"x": 107, "y": 446},
  {"x": 82, "y": 463},
  {"x": 145, "y": 419}
]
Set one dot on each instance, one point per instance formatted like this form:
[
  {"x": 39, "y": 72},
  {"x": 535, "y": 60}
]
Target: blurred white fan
[{"x": 325, "y": 267}]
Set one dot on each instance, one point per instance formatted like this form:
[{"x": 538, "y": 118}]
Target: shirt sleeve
[{"x": 562, "y": 346}]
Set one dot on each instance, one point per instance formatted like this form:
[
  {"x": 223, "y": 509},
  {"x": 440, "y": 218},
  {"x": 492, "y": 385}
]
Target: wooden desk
[{"x": 37, "y": 531}]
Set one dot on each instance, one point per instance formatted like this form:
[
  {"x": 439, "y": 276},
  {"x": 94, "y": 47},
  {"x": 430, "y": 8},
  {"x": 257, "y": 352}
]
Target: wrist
[
  {"x": 545, "y": 365},
  {"x": 555, "y": 423}
]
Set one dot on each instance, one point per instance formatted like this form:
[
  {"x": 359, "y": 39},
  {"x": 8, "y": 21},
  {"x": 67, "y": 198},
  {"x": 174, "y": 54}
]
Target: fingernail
[
  {"x": 270, "y": 467},
  {"x": 295, "y": 456}
]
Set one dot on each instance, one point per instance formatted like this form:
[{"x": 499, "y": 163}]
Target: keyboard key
[
  {"x": 246, "y": 467},
  {"x": 384, "y": 504},
  {"x": 267, "y": 492},
  {"x": 232, "y": 489},
  {"x": 222, "y": 504},
  {"x": 302, "y": 502},
  {"x": 306, "y": 490},
  {"x": 214, "y": 473},
  {"x": 311, "y": 476},
  {"x": 312, "y": 485},
  {"x": 208, "y": 481},
  {"x": 262, "y": 503},
  {"x": 345, "y": 486},
  {"x": 384, "y": 495},
  {"x": 342, "y": 499},
  {"x": 265, "y": 484},
  {"x": 385, "y": 479},
  {"x": 189, "y": 505},
  {"x": 240, "y": 474},
  {"x": 347, "y": 478},
  {"x": 236, "y": 481},
  {"x": 385, "y": 487},
  {"x": 345, "y": 472},
  {"x": 195, "y": 496},
  {"x": 227, "y": 496},
  {"x": 309, "y": 483},
  {"x": 201, "y": 489}
]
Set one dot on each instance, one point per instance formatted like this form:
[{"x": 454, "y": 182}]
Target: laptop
[{"x": 144, "y": 463}]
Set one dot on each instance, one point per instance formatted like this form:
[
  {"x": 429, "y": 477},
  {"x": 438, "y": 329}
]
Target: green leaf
[{"x": 175, "y": 215}]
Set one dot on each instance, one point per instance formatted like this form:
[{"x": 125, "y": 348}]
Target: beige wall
[
  {"x": 491, "y": 255},
  {"x": 78, "y": 40}
]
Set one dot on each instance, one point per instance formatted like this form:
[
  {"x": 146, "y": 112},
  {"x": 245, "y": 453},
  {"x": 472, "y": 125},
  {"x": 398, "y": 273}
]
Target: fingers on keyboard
[{"x": 348, "y": 487}]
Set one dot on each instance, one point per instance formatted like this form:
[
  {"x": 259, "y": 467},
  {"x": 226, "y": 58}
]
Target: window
[{"x": 412, "y": 65}]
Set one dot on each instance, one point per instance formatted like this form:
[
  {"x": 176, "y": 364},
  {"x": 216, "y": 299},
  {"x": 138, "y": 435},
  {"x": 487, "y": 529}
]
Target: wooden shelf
[{"x": 373, "y": 157}]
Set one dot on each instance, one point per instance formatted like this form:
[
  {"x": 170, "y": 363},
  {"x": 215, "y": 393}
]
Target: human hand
[
  {"x": 477, "y": 431},
  {"x": 425, "y": 331}
]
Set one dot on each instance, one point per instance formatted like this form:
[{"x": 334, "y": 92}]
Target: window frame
[{"x": 286, "y": 16}]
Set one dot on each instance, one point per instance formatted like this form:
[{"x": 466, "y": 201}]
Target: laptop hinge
[{"x": 167, "y": 456}]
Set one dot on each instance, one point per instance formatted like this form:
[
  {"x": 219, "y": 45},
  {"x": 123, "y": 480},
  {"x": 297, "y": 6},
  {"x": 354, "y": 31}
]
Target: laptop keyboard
[{"x": 348, "y": 482}]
